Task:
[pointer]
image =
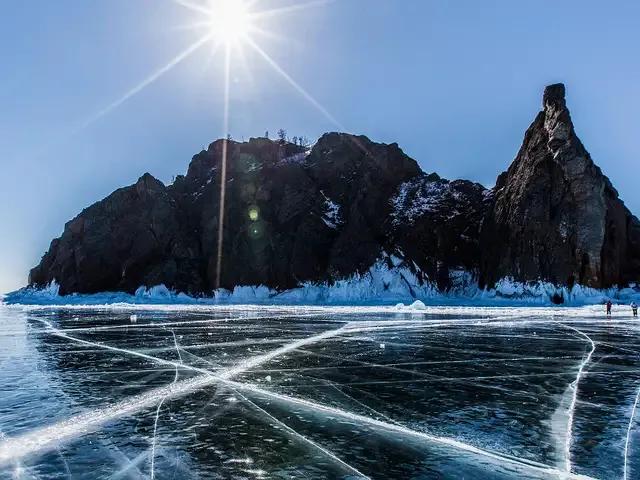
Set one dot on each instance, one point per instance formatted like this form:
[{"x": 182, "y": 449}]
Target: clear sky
[{"x": 455, "y": 83}]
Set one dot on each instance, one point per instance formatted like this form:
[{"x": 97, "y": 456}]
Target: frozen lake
[{"x": 291, "y": 392}]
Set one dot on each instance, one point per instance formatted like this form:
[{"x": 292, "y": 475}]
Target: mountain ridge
[{"x": 295, "y": 215}]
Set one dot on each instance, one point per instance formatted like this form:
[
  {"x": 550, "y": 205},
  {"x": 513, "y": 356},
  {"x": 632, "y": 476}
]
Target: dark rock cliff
[
  {"x": 292, "y": 215},
  {"x": 555, "y": 215}
]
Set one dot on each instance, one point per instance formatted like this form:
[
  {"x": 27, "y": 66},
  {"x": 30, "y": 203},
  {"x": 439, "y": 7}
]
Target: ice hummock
[{"x": 390, "y": 281}]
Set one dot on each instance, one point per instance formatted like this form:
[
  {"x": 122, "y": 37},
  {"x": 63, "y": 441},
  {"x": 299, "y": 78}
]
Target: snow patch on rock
[
  {"x": 296, "y": 158},
  {"x": 331, "y": 216},
  {"x": 427, "y": 194}
]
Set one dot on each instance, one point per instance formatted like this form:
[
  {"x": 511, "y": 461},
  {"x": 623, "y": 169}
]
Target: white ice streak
[
  {"x": 628, "y": 439},
  {"x": 155, "y": 422},
  {"x": 45, "y": 438},
  {"x": 574, "y": 398},
  {"x": 306, "y": 440},
  {"x": 396, "y": 428},
  {"x": 587, "y": 315}
]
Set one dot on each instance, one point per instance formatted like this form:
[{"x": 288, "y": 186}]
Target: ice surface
[
  {"x": 399, "y": 391},
  {"x": 630, "y": 430}
]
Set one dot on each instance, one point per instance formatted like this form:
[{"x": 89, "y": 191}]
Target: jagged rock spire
[{"x": 556, "y": 217}]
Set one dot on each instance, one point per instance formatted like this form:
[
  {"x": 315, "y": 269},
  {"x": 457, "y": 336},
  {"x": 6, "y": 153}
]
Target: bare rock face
[
  {"x": 290, "y": 216},
  {"x": 293, "y": 215},
  {"x": 359, "y": 176},
  {"x": 556, "y": 217},
  {"x": 133, "y": 237}
]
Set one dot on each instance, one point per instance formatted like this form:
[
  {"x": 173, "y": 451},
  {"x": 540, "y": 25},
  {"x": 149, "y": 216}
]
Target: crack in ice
[
  {"x": 86, "y": 422},
  {"x": 574, "y": 398},
  {"x": 628, "y": 439},
  {"x": 155, "y": 422},
  {"x": 187, "y": 323},
  {"x": 397, "y": 428},
  {"x": 48, "y": 437},
  {"x": 306, "y": 440}
]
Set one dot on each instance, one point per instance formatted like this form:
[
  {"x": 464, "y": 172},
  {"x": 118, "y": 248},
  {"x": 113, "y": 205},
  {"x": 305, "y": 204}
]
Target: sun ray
[
  {"x": 193, "y": 6},
  {"x": 275, "y": 36},
  {"x": 200, "y": 25},
  {"x": 241, "y": 60},
  {"x": 232, "y": 23},
  {"x": 294, "y": 84},
  {"x": 290, "y": 9},
  {"x": 147, "y": 81},
  {"x": 223, "y": 172}
]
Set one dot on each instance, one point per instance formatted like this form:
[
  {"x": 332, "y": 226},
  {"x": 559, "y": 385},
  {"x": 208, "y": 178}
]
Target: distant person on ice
[
  {"x": 609, "y": 304},
  {"x": 634, "y": 308}
]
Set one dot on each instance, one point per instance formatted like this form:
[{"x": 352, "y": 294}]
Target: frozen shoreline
[
  {"x": 381, "y": 285},
  {"x": 38, "y": 300}
]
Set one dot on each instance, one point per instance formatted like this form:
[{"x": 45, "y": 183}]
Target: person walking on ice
[
  {"x": 634, "y": 308},
  {"x": 609, "y": 304}
]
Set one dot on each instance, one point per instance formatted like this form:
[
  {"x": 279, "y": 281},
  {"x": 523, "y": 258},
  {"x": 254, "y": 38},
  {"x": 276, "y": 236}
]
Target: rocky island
[{"x": 295, "y": 215}]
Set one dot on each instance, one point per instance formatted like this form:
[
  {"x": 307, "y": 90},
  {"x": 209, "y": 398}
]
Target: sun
[{"x": 230, "y": 21}]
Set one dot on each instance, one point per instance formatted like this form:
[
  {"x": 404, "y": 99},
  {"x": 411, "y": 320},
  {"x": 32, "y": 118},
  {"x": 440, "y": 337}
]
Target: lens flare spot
[
  {"x": 254, "y": 214},
  {"x": 256, "y": 230}
]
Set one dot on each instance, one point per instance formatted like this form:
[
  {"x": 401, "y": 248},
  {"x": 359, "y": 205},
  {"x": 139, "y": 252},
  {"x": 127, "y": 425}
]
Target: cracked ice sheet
[
  {"x": 493, "y": 386},
  {"x": 491, "y": 392}
]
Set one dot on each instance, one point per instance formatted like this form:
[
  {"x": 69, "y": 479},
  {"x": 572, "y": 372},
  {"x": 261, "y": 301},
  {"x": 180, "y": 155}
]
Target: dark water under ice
[{"x": 251, "y": 393}]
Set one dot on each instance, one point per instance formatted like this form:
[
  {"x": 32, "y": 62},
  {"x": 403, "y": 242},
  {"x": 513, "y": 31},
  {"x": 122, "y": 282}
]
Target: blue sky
[{"x": 455, "y": 83}]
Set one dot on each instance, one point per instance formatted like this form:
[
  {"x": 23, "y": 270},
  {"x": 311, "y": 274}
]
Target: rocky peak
[
  {"x": 257, "y": 152},
  {"x": 556, "y": 216},
  {"x": 358, "y": 151},
  {"x": 554, "y": 96},
  {"x": 358, "y": 164},
  {"x": 147, "y": 184}
]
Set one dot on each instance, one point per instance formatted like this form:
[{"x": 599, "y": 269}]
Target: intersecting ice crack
[
  {"x": 365, "y": 406},
  {"x": 304, "y": 439},
  {"x": 402, "y": 430},
  {"x": 574, "y": 398},
  {"x": 155, "y": 422},
  {"x": 48, "y": 437},
  {"x": 628, "y": 439},
  {"x": 294, "y": 433}
]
